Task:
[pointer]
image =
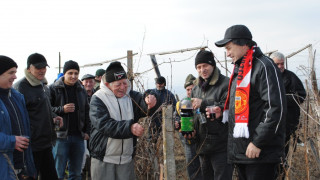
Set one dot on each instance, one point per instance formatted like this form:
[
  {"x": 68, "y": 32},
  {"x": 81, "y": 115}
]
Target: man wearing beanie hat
[
  {"x": 190, "y": 147},
  {"x": 114, "y": 112},
  {"x": 16, "y": 158},
  {"x": 255, "y": 107},
  {"x": 69, "y": 100},
  {"x": 210, "y": 89},
  {"x": 99, "y": 74},
  {"x": 37, "y": 98}
]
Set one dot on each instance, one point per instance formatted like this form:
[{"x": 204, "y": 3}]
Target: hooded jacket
[
  {"x": 267, "y": 111},
  {"x": 111, "y": 139},
  {"x": 59, "y": 98},
  {"x": 212, "y": 136},
  {"x": 37, "y": 98}
]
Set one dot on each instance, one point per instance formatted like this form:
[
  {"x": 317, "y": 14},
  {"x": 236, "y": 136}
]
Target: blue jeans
[
  {"x": 193, "y": 169},
  {"x": 69, "y": 150}
]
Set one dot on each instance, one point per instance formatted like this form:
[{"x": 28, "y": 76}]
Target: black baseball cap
[
  {"x": 37, "y": 60},
  {"x": 235, "y": 32}
]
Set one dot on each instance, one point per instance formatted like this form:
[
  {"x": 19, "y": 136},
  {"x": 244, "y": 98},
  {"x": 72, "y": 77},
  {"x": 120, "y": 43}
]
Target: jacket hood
[
  {"x": 214, "y": 78},
  {"x": 33, "y": 80}
]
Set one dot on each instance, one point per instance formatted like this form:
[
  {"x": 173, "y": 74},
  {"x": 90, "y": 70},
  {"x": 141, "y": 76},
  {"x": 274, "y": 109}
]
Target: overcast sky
[{"x": 90, "y": 31}]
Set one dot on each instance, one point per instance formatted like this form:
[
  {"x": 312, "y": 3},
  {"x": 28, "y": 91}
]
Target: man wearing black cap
[
  {"x": 69, "y": 100},
  {"x": 210, "y": 88},
  {"x": 37, "y": 97},
  {"x": 15, "y": 153},
  {"x": 99, "y": 74},
  {"x": 114, "y": 112},
  {"x": 255, "y": 108},
  {"x": 164, "y": 94},
  {"x": 88, "y": 83}
]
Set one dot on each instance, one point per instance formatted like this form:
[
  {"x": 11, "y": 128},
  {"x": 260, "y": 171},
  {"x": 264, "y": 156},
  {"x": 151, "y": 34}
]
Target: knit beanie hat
[
  {"x": 204, "y": 56},
  {"x": 100, "y": 72},
  {"x": 37, "y": 60},
  {"x": 70, "y": 65},
  {"x": 161, "y": 80},
  {"x": 115, "y": 72},
  {"x": 189, "y": 80},
  {"x": 6, "y": 63}
]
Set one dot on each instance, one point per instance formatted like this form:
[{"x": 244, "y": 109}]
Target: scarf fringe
[
  {"x": 225, "y": 116},
  {"x": 241, "y": 130}
]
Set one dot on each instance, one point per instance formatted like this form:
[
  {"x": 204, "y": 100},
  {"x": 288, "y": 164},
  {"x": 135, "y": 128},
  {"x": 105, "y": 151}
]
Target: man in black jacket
[
  {"x": 69, "y": 100},
  {"x": 114, "y": 112},
  {"x": 37, "y": 97},
  {"x": 255, "y": 108},
  {"x": 295, "y": 94},
  {"x": 211, "y": 88}
]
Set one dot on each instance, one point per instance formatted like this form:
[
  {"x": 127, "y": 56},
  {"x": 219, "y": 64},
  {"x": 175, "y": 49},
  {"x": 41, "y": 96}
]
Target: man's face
[
  {"x": 160, "y": 86},
  {"x": 279, "y": 63},
  {"x": 235, "y": 52},
  {"x": 71, "y": 77},
  {"x": 204, "y": 70},
  {"x": 88, "y": 84},
  {"x": 189, "y": 89},
  {"x": 119, "y": 88},
  {"x": 38, "y": 73},
  {"x": 7, "y": 78}
]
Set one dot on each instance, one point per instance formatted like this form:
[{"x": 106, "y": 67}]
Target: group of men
[{"x": 43, "y": 127}]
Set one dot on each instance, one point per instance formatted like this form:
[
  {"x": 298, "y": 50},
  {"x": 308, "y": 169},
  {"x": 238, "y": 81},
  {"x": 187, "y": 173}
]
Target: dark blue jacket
[{"x": 8, "y": 141}]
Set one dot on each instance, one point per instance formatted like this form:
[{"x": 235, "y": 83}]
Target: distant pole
[
  {"x": 155, "y": 65},
  {"x": 286, "y": 63},
  {"x": 129, "y": 66},
  {"x": 59, "y": 63}
]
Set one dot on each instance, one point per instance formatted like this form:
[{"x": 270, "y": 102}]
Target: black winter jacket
[
  {"x": 295, "y": 94},
  {"x": 214, "y": 133},
  {"x": 267, "y": 111},
  {"x": 59, "y": 98},
  {"x": 37, "y": 98}
]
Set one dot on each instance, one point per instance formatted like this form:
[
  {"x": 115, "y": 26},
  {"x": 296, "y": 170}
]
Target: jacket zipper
[
  {"x": 122, "y": 139},
  {"x": 9, "y": 95}
]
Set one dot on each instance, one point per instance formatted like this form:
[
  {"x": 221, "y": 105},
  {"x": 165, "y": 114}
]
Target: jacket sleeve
[
  {"x": 58, "y": 110},
  {"x": 7, "y": 142},
  {"x": 271, "y": 90},
  {"x": 101, "y": 120},
  {"x": 297, "y": 93}
]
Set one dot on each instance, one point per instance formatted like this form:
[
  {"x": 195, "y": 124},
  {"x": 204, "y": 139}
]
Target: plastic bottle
[{"x": 186, "y": 115}]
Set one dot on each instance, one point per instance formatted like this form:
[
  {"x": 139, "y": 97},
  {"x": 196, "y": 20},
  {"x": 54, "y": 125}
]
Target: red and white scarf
[{"x": 241, "y": 97}]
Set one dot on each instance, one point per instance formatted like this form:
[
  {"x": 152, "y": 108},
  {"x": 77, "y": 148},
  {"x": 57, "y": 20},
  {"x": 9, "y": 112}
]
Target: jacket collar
[
  {"x": 33, "y": 80},
  {"x": 214, "y": 78}
]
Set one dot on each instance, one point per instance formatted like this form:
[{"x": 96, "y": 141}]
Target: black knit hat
[
  {"x": 204, "y": 56},
  {"x": 6, "y": 63},
  {"x": 189, "y": 80},
  {"x": 37, "y": 60},
  {"x": 115, "y": 72},
  {"x": 161, "y": 80},
  {"x": 235, "y": 32},
  {"x": 70, "y": 65}
]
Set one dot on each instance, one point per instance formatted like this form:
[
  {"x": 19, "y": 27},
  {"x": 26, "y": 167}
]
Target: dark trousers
[
  {"x": 215, "y": 166},
  {"x": 44, "y": 163},
  {"x": 266, "y": 171}
]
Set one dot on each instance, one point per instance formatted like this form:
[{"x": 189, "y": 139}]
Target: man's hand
[
  {"x": 196, "y": 103},
  {"x": 137, "y": 129},
  {"x": 22, "y": 143},
  {"x": 86, "y": 136},
  {"x": 69, "y": 108},
  {"x": 60, "y": 119},
  {"x": 177, "y": 124},
  {"x": 151, "y": 101},
  {"x": 252, "y": 151},
  {"x": 193, "y": 134},
  {"x": 216, "y": 110}
]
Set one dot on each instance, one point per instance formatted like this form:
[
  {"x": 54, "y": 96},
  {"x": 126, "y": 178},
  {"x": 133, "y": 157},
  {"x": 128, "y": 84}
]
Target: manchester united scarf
[{"x": 241, "y": 97}]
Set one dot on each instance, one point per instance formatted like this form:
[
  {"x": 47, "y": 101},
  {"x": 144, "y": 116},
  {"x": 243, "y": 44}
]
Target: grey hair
[{"x": 277, "y": 55}]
